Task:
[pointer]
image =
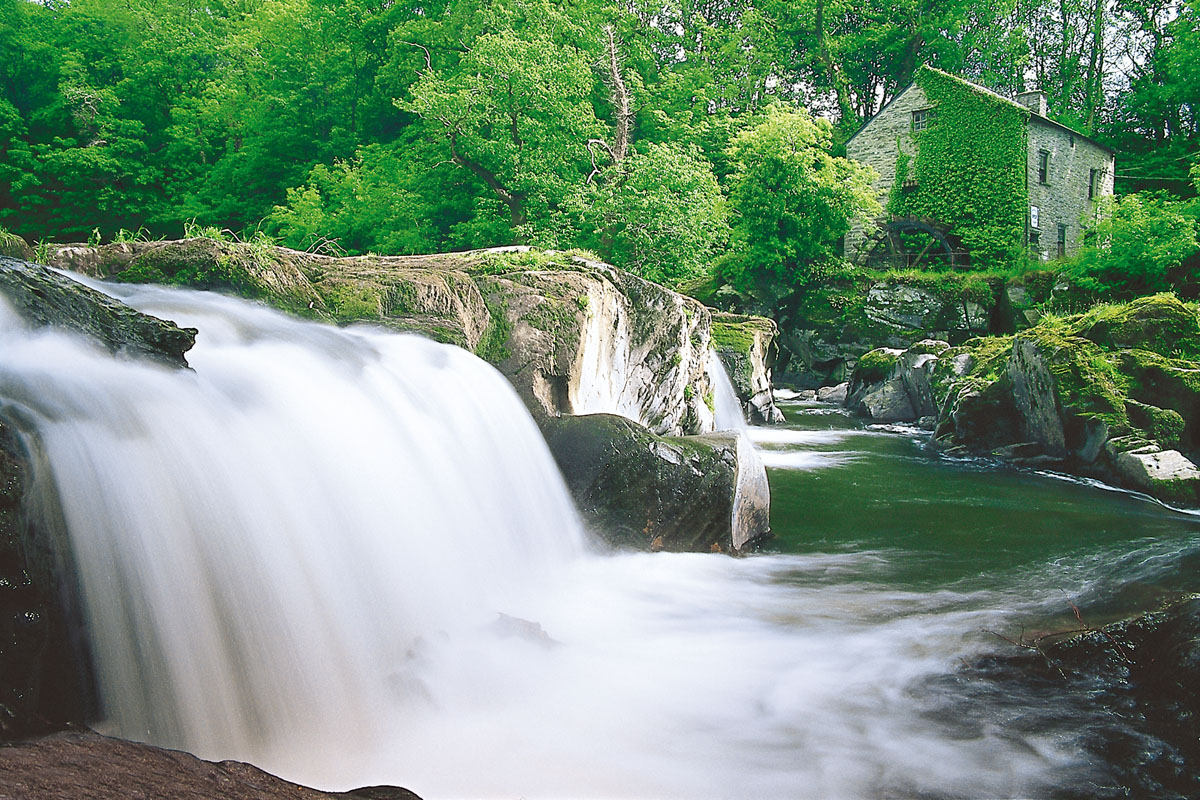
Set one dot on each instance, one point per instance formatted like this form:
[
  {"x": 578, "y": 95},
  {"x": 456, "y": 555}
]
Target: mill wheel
[{"x": 915, "y": 243}]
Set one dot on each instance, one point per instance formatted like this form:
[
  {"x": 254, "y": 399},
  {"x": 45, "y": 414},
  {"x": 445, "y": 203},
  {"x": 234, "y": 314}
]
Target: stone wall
[
  {"x": 1063, "y": 199},
  {"x": 877, "y": 144}
]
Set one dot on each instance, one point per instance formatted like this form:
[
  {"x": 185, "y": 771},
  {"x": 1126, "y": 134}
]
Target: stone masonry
[{"x": 1073, "y": 163}]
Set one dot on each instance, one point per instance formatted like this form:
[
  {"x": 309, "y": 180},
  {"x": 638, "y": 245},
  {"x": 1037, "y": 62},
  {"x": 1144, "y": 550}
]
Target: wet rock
[
  {"x": 43, "y": 297},
  {"x": 747, "y": 349},
  {"x": 891, "y": 385},
  {"x": 573, "y": 336},
  {"x": 635, "y": 489},
  {"x": 81, "y": 765}
]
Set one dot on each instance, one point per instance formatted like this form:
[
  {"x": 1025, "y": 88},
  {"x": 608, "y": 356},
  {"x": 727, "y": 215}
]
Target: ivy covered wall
[{"x": 969, "y": 168}]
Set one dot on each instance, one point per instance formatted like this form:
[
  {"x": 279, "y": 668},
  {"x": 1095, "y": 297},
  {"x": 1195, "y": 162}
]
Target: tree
[
  {"x": 516, "y": 113},
  {"x": 792, "y": 203},
  {"x": 660, "y": 215}
]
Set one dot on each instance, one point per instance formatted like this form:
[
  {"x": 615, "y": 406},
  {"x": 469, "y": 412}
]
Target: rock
[
  {"x": 887, "y": 402},
  {"x": 43, "y": 297},
  {"x": 833, "y": 394},
  {"x": 1163, "y": 473},
  {"x": 747, "y": 349},
  {"x": 42, "y": 677},
  {"x": 1033, "y": 391},
  {"x": 902, "y": 306},
  {"x": 81, "y": 765},
  {"x": 572, "y": 335},
  {"x": 14, "y": 246},
  {"x": 635, "y": 489},
  {"x": 891, "y": 385}
]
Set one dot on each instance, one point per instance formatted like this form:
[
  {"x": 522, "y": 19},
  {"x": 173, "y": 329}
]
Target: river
[{"x": 345, "y": 556}]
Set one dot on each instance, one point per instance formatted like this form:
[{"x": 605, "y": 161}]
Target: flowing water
[{"x": 346, "y": 557}]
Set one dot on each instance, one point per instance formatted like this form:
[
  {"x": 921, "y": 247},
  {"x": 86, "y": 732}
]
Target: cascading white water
[
  {"x": 265, "y": 542},
  {"x": 727, "y": 409},
  {"x": 297, "y": 555}
]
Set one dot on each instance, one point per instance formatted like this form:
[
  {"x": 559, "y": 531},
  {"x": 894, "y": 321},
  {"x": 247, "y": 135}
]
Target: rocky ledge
[
  {"x": 574, "y": 337},
  {"x": 1112, "y": 393},
  {"x": 81, "y": 765}
]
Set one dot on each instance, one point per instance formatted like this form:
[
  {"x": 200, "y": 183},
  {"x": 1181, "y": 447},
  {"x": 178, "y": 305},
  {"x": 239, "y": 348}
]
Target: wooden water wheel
[{"x": 912, "y": 243}]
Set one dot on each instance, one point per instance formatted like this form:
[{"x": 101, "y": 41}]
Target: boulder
[
  {"x": 1164, "y": 473},
  {"x": 891, "y": 385},
  {"x": 902, "y": 306},
  {"x": 1112, "y": 393},
  {"x": 1033, "y": 389},
  {"x": 693, "y": 493},
  {"x": 82, "y": 765}
]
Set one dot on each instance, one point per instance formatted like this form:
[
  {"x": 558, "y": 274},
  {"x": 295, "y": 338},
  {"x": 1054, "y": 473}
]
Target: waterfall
[
  {"x": 727, "y": 409},
  {"x": 266, "y": 543}
]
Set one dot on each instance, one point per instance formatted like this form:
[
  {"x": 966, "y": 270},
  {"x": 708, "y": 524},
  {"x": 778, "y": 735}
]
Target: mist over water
[{"x": 299, "y": 553}]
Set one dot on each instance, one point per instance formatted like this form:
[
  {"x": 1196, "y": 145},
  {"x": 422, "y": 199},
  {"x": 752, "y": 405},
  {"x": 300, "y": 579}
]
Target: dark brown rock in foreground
[{"x": 82, "y": 765}]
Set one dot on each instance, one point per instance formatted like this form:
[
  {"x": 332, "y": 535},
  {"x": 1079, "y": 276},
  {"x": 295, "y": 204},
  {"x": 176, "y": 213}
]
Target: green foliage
[
  {"x": 969, "y": 168},
  {"x": 792, "y": 202},
  {"x": 660, "y": 214},
  {"x": 1136, "y": 243}
]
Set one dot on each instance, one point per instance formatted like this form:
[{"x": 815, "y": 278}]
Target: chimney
[{"x": 1035, "y": 101}]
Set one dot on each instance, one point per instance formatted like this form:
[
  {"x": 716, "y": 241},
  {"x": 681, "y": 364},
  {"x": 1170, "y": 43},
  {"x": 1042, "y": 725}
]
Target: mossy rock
[
  {"x": 875, "y": 366},
  {"x": 646, "y": 492},
  {"x": 1161, "y": 324}
]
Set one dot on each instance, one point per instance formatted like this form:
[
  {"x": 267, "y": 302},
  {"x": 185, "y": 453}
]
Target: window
[
  {"x": 1034, "y": 238},
  {"x": 1062, "y": 241},
  {"x": 1092, "y": 184},
  {"x": 1033, "y": 216},
  {"x": 1043, "y": 166},
  {"x": 923, "y": 119}
]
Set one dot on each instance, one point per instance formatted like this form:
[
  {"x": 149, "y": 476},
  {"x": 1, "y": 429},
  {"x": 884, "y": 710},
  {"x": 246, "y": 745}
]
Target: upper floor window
[
  {"x": 923, "y": 119},
  {"x": 1093, "y": 184},
  {"x": 1043, "y": 166}
]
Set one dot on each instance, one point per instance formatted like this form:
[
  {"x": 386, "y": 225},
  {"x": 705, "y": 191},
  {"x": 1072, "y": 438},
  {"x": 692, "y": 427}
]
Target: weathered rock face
[
  {"x": 1114, "y": 393},
  {"x": 81, "y": 765},
  {"x": 635, "y": 489},
  {"x": 747, "y": 349},
  {"x": 45, "y": 298},
  {"x": 573, "y": 336}
]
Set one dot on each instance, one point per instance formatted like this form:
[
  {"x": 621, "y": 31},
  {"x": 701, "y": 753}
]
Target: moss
[
  {"x": 1164, "y": 425},
  {"x": 493, "y": 344},
  {"x": 1160, "y": 323},
  {"x": 349, "y": 302},
  {"x": 875, "y": 366},
  {"x": 732, "y": 336}
]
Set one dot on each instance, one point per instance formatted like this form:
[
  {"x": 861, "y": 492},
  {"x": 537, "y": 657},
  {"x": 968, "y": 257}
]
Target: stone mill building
[{"x": 965, "y": 173}]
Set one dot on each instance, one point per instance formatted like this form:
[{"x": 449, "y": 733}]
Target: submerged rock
[
  {"x": 635, "y": 489},
  {"x": 81, "y": 765}
]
